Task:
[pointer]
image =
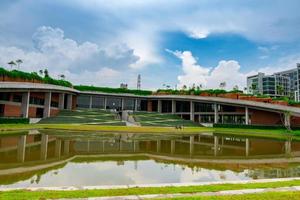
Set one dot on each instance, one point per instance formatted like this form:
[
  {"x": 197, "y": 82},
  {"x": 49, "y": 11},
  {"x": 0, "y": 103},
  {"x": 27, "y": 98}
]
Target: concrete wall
[{"x": 265, "y": 117}]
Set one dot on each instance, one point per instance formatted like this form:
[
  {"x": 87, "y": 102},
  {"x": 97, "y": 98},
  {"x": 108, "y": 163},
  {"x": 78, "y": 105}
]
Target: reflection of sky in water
[{"x": 128, "y": 172}]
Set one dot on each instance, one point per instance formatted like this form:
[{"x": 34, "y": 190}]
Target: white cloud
[
  {"x": 198, "y": 33},
  {"x": 82, "y": 63},
  {"x": 193, "y": 73}
]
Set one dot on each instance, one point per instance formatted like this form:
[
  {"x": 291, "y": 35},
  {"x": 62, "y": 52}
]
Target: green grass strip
[
  {"x": 259, "y": 196},
  {"x": 25, "y": 194}
]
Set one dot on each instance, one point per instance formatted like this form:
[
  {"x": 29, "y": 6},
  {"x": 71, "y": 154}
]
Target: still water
[{"x": 55, "y": 158}]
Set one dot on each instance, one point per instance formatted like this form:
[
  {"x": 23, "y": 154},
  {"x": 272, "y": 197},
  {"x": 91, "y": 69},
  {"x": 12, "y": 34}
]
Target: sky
[{"x": 176, "y": 42}]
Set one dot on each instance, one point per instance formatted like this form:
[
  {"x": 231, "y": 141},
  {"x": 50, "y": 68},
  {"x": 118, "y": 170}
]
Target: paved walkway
[{"x": 219, "y": 193}]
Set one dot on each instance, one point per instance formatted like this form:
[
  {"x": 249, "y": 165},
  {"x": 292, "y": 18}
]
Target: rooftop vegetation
[
  {"x": 197, "y": 91},
  {"x": 33, "y": 76},
  {"x": 112, "y": 90}
]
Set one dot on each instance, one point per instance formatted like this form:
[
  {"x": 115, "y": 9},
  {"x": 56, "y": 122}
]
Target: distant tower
[{"x": 138, "y": 82}]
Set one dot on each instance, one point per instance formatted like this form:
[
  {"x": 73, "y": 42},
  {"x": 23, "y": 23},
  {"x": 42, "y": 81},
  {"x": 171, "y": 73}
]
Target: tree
[
  {"x": 223, "y": 85},
  {"x": 184, "y": 87},
  {"x": 46, "y": 73},
  {"x": 19, "y": 62},
  {"x": 279, "y": 89},
  {"x": 12, "y": 63},
  {"x": 236, "y": 88},
  {"x": 41, "y": 72},
  {"x": 193, "y": 86},
  {"x": 62, "y": 76}
]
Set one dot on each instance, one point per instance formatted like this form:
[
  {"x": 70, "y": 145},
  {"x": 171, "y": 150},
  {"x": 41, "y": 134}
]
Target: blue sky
[{"x": 105, "y": 43}]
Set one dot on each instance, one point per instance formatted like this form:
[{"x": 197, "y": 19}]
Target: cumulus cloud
[
  {"x": 193, "y": 73},
  {"x": 198, "y": 33},
  {"x": 64, "y": 55}
]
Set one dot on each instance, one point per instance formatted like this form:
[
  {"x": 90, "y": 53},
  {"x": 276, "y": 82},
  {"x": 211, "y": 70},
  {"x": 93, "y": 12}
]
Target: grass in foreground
[
  {"x": 260, "y": 196},
  {"x": 25, "y": 194}
]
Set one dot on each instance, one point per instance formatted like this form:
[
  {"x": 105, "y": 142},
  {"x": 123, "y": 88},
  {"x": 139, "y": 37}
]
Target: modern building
[
  {"x": 285, "y": 83},
  {"x": 36, "y": 100}
]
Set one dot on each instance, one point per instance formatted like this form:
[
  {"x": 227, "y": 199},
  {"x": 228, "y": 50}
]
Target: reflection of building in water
[
  {"x": 33, "y": 147},
  {"x": 275, "y": 173},
  {"x": 42, "y": 151}
]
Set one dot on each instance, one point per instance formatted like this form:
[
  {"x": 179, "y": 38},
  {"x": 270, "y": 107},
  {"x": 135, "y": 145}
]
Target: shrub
[
  {"x": 250, "y": 126},
  {"x": 14, "y": 120},
  {"x": 292, "y": 102},
  {"x": 112, "y": 90}
]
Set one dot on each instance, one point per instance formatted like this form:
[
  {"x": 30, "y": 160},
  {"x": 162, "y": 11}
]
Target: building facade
[
  {"x": 35, "y": 100},
  {"x": 285, "y": 83}
]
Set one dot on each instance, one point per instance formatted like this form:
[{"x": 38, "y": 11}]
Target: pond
[{"x": 57, "y": 158}]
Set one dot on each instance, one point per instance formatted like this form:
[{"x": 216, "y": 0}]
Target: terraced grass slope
[
  {"x": 84, "y": 116},
  {"x": 158, "y": 119}
]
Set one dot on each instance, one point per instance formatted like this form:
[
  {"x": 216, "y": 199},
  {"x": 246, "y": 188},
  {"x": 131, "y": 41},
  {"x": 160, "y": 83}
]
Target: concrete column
[
  {"x": 135, "y": 146},
  {"x": 44, "y": 147},
  {"x": 122, "y": 104},
  {"x": 91, "y": 102},
  {"x": 61, "y": 101},
  {"x": 135, "y": 105},
  {"x": 105, "y": 103},
  {"x": 158, "y": 146},
  {"x": 287, "y": 120},
  {"x": 216, "y": 145},
  {"x": 88, "y": 146},
  {"x": 25, "y": 104},
  {"x": 247, "y": 146},
  {"x": 192, "y": 140},
  {"x": 288, "y": 147},
  {"x": 58, "y": 148},
  {"x": 216, "y": 114},
  {"x": 246, "y": 115},
  {"x": 172, "y": 146},
  {"x": 103, "y": 146},
  {"x": 192, "y": 111},
  {"x": 66, "y": 147},
  {"x": 173, "y": 106},
  {"x": 21, "y": 148},
  {"x": 120, "y": 145},
  {"x": 159, "y": 106},
  {"x": 69, "y": 101},
  {"x": 47, "y": 105}
]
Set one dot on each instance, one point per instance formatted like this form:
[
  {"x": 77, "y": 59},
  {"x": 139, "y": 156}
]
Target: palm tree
[
  {"x": 19, "y": 62},
  {"x": 46, "y": 73},
  {"x": 41, "y": 72},
  {"x": 223, "y": 84},
  {"x": 12, "y": 63},
  {"x": 62, "y": 76}
]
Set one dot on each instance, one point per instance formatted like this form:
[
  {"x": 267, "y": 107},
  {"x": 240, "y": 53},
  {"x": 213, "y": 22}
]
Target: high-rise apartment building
[{"x": 279, "y": 84}]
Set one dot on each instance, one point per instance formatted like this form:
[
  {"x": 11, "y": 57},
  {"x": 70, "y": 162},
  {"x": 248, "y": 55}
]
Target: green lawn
[
  {"x": 261, "y": 196},
  {"x": 265, "y": 133},
  {"x": 163, "y": 120},
  {"x": 84, "y": 116},
  {"x": 25, "y": 194}
]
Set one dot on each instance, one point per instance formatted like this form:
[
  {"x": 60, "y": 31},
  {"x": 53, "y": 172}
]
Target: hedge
[
  {"x": 250, "y": 126},
  {"x": 112, "y": 90},
  {"x": 14, "y": 120}
]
